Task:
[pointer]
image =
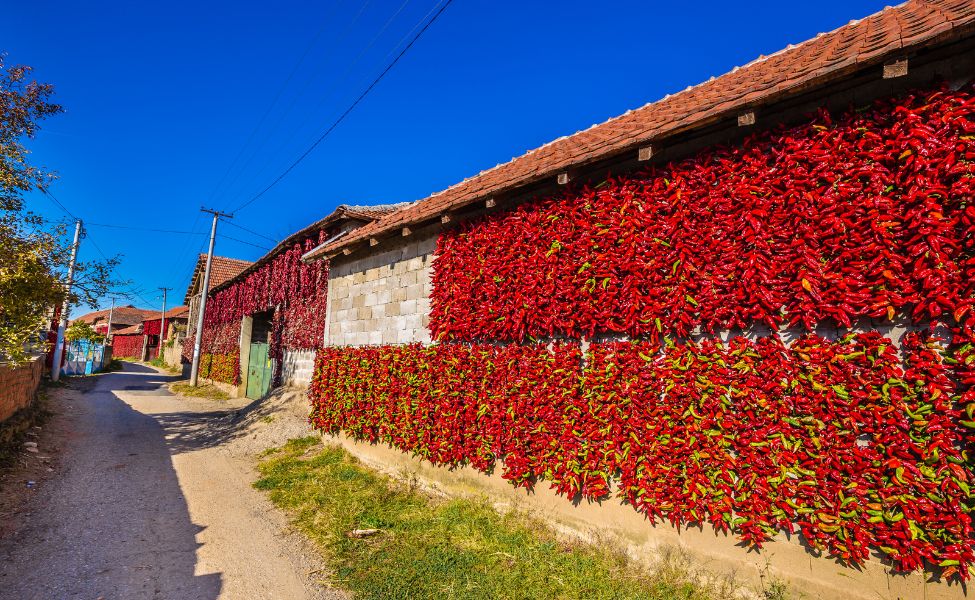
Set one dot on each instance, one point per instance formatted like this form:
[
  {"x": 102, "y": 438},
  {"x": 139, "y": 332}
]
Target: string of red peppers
[
  {"x": 866, "y": 215},
  {"x": 127, "y": 346},
  {"x": 294, "y": 290},
  {"x": 838, "y": 440}
]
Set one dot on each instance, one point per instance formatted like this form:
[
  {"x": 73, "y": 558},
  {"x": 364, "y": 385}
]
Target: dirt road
[{"x": 150, "y": 501}]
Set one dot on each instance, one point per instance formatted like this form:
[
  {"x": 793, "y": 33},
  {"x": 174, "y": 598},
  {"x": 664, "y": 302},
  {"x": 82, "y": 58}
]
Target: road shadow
[
  {"x": 190, "y": 430},
  {"x": 115, "y": 524}
]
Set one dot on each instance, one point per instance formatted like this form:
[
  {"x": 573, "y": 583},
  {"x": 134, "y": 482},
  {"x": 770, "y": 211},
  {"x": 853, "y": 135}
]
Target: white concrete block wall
[
  {"x": 298, "y": 366},
  {"x": 382, "y": 297}
]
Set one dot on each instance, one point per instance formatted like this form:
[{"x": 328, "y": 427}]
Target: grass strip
[
  {"x": 441, "y": 548},
  {"x": 211, "y": 392}
]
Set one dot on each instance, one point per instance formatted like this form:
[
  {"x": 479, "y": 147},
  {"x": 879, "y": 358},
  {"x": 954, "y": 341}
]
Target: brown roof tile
[
  {"x": 892, "y": 31},
  {"x": 133, "y": 330},
  {"x": 342, "y": 213},
  {"x": 221, "y": 270},
  {"x": 122, "y": 315},
  {"x": 177, "y": 312}
]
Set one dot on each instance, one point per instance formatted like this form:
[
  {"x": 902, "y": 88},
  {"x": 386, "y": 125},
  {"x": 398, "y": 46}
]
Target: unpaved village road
[{"x": 149, "y": 503}]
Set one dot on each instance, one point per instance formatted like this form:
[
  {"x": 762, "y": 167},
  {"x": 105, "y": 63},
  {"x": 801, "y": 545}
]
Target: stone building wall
[{"x": 382, "y": 297}]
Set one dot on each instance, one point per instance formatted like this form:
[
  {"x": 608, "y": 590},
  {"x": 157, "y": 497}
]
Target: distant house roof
[
  {"x": 355, "y": 213},
  {"x": 122, "y": 315},
  {"x": 221, "y": 269},
  {"x": 133, "y": 330},
  {"x": 177, "y": 312},
  {"x": 891, "y": 33}
]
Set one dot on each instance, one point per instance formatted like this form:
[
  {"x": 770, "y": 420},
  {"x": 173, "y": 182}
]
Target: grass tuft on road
[
  {"x": 210, "y": 392},
  {"x": 435, "y": 548}
]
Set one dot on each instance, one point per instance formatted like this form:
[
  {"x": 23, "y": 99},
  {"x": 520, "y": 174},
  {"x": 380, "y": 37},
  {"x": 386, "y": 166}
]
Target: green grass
[
  {"x": 159, "y": 363},
  {"x": 211, "y": 392},
  {"x": 437, "y": 548}
]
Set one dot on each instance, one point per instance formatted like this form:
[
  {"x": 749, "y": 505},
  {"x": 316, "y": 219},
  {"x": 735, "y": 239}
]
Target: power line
[
  {"x": 251, "y": 231},
  {"x": 330, "y": 90},
  {"x": 325, "y": 21},
  {"x": 348, "y": 110},
  {"x": 47, "y": 193},
  {"x": 339, "y": 40},
  {"x": 130, "y": 227},
  {"x": 227, "y": 237}
]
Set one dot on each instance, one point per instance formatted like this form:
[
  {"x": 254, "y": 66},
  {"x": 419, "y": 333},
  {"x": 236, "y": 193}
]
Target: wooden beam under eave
[
  {"x": 490, "y": 203},
  {"x": 373, "y": 242},
  {"x": 896, "y": 68},
  {"x": 407, "y": 231},
  {"x": 346, "y": 251},
  {"x": 645, "y": 153},
  {"x": 746, "y": 118},
  {"x": 444, "y": 219},
  {"x": 564, "y": 177}
]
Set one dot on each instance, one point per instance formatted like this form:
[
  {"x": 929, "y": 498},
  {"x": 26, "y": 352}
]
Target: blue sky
[{"x": 170, "y": 106}]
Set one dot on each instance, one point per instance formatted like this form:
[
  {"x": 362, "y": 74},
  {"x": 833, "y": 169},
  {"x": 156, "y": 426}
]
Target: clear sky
[{"x": 174, "y": 105}]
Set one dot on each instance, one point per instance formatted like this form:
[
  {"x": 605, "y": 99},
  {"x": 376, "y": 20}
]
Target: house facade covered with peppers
[
  {"x": 747, "y": 308},
  {"x": 263, "y": 325}
]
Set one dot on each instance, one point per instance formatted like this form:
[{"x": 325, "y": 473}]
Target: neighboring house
[
  {"x": 221, "y": 270},
  {"x": 263, "y": 325},
  {"x": 704, "y": 307},
  {"x": 121, "y": 316},
  {"x": 128, "y": 342},
  {"x": 176, "y": 323}
]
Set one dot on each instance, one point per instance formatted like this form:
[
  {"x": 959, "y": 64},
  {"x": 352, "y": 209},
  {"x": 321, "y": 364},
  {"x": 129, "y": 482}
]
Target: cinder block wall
[
  {"x": 383, "y": 297},
  {"x": 18, "y": 386},
  {"x": 297, "y": 367}
]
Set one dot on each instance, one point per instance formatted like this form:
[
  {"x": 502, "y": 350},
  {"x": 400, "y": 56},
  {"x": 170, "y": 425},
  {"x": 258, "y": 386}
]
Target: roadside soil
[{"x": 149, "y": 496}]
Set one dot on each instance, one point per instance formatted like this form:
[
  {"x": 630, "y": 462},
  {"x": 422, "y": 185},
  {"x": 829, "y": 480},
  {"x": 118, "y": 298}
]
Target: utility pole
[
  {"x": 162, "y": 321},
  {"x": 63, "y": 325},
  {"x": 195, "y": 368},
  {"x": 111, "y": 313}
]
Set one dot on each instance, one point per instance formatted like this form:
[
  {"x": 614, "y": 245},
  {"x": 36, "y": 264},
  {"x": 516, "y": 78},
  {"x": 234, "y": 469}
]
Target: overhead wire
[
  {"x": 336, "y": 43},
  {"x": 251, "y": 231},
  {"x": 330, "y": 91},
  {"x": 277, "y": 96},
  {"x": 347, "y": 111}
]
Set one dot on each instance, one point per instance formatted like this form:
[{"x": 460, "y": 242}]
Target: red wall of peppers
[
  {"x": 127, "y": 346},
  {"x": 853, "y": 443},
  {"x": 294, "y": 290},
  {"x": 840, "y": 440},
  {"x": 867, "y": 214}
]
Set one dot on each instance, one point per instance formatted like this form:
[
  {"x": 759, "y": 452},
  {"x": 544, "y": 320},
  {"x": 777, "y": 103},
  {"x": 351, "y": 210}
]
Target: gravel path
[{"x": 151, "y": 502}]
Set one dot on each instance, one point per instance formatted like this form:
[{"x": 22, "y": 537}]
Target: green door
[{"x": 258, "y": 371}]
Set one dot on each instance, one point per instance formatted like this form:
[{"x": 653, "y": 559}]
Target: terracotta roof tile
[
  {"x": 886, "y": 33},
  {"x": 133, "y": 330},
  {"x": 176, "y": 312},
  {"x": 122, "y": 315},
  {"x": 221, "y": 270},
  {"x": 343, "y": 212}
]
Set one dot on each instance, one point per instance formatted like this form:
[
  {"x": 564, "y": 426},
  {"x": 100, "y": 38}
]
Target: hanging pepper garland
[
  {"x": 868, "y": 214},
  {"x": 853, "y": 443},
  {"x": 128, "y": 346},
  {"x": 838, "y": 440},
  {"x": 294, "y": 290}
]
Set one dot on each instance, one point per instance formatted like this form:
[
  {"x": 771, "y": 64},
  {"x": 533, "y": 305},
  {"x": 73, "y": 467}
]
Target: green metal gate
[{"x": 259, "y": 371}]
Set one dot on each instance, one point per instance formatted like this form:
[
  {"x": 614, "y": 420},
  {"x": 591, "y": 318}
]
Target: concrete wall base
[{"x": 783, "y": 558}]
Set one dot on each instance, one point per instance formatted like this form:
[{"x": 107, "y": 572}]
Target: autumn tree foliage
[{"x": 33, "y": 252}]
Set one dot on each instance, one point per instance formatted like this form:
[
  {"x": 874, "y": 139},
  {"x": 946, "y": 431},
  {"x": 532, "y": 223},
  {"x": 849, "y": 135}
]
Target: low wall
[
  {"x": 18, "y": 386},
  {"x": 783, "y": 558},
  {"x": 173, "y": 355}
]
